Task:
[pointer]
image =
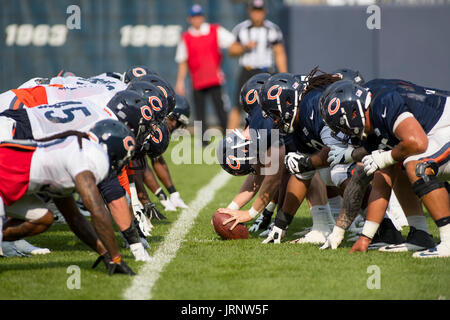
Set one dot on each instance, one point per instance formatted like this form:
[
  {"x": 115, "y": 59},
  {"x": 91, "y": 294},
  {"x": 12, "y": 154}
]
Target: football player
[
  {"x": 55, "y": 167},
  {"x": 411, "y": 126},
  {"x": 44, "y": 120}
]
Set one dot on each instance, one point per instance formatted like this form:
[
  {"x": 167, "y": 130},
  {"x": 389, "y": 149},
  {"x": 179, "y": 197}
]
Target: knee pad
[{"x": 424, "y": 186}]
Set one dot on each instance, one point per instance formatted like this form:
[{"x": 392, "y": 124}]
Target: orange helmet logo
[
  {"x": 137, "y": 72},
  {"x": 146, "y": 112},
  {"x": 160, "y": 135},
  {"x": 333, "y": 109},
  {"x": 247, "y": 97},
  {"x": 233, "y": 163},
  {"x": 276, "y": 95},
  {"x": 152, "y": 99},
  {"x": 128, "y": 143},
  {"x": 163, "y": 90}
]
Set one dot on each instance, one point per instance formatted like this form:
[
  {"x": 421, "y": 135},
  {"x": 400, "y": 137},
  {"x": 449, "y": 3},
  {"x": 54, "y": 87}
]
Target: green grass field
[{"x": 206, "y": 267}]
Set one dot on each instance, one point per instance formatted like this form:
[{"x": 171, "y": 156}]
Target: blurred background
[{"x": 411, "y": 43}]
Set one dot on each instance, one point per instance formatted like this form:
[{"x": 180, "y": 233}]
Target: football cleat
[
  {"x": 417, "y": 240},
  {"x": 387, "y": 234},
  {"x": 442, "y": 250},
  {"x": 175, "y": 198}
]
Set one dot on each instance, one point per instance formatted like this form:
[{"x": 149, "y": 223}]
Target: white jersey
[
  {"x": 80, "y": 115},
  {"x": 99, "y": 89},
  {"x": 55, "y": 164}
]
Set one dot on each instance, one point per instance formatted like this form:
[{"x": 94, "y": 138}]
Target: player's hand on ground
[
  {"x": 238, "y": 216},
  {"x": 275, "y": 235},
  {"x": 334, "y": 239},
  {"x": 361, "y": 244},
  {"x": 297, "y": 163},
  {"x": 378, "y": 159},
  {"x": 262, "y": 222},
  {"x": 120, "y": 268},
  {"x": 152, "y": 212}
]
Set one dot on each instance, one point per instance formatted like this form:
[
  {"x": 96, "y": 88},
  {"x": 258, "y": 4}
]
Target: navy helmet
[
  {"x": 349, "y": 74},
  {"x": 279, "y": 99},
  {"x": 136, "y": 72},
  {"x": 342, "y": 107},
  {"x": 134, "y": 111},
  {"x": 157, "y": 142},
  {"x": 236, "y": 154},
  {"x": 249, "y": 92},
  {"x": 164, "y": 86},
  {"x": 118, "y": 141},
  {"x": 155, "y": 98},
  {"x": 181, "y": 112}
]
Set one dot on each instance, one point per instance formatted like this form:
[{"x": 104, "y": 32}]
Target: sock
[
  {"x": 335, "y": 206},
  {"x": 160, "y": 194},
  {"x": 444, "y": 230},
  {"x": 320, "y": 217},
  {"x": 418, "y": 222},
  {"x": 283, "y": 220},
  {"x": 331, "y": 219},
  {"x": 171, "y": 189}
]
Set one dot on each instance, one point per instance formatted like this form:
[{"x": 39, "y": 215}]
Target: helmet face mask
[
  {"x": 279, "y": 99},
  {"x": 117, "y": 140},
  {"x": 181, "y": 113},
  {"x": 236, "y": 154}
]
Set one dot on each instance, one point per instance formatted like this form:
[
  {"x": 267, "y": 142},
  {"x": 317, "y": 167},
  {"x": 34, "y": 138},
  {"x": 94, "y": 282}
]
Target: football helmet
[
  {"x": 136, "y": 72},
  {"x": 164, "y": 86},
  {"x": 279, "y": 99},
  {"x": 156, "y": 99},
  {"x": 181, "y": 112},
  {"x": 248, "y": 96},
  {"x": 236, "y": 154},
  {"x": 349, "y": 74},
  {"x": 157, "y": 142},
  {"x": 117, "y": 140},
  {"x": 342, "y": 107},
  {"x": 134, "y": 111}
]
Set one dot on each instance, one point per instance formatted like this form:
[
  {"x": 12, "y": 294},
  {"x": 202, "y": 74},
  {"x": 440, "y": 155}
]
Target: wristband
[
  {"x": 369, "y": 229},
  {"x": 348, "y": 155},
  {"x": 271, "y": 206},
  {"x": 233, "y": 206},
  {"x": 387, "y": 157},
  {"x": 117, "y": 259},
  {"x": 252, "y": 212}
]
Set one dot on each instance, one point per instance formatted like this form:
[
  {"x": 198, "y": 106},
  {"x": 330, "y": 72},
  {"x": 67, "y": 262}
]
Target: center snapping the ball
[{"x": 239, "y": 232}]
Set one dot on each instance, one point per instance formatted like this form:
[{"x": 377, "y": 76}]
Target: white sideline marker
[{"x": 149, "y": 273}]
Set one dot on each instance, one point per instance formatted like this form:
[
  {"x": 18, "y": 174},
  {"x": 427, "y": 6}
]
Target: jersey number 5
[{"x": 68, "y": 112}]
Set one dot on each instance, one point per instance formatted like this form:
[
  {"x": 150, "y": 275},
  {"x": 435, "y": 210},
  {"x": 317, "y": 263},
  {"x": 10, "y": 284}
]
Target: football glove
[
  {"x": 340, "y": 155},
  {"x": 275, "y": 235},
  {"x": 298, "y": 163},
  {"x": 145, "y": 226},
  {"x": 104, "y": 258},
  {"x": 121, "y": 267},
  {"x": 152, "y": 212},
  {"x": 262, "y": 222},
  {"x": 334, "y": 239},
  {"x": 378, "y": 159}
]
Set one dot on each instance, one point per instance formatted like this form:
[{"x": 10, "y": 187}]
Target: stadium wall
[{"x": 412, "y": 42}]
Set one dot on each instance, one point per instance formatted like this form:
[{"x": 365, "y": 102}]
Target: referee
[{"x": 259, "y": 45}]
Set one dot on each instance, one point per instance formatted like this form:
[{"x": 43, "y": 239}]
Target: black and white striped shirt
[{"x": 266, "y": 36}]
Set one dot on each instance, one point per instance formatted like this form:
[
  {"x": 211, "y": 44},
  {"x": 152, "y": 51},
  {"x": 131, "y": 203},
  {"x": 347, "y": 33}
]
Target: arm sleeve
[
  {"x": 181, "y": 53},
  {"x": 225, "y": 37},
  {"x": 328, "y": 139}
]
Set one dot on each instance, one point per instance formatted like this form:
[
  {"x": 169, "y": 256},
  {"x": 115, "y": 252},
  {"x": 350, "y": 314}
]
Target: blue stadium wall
[{"x": 412, "y": 43}]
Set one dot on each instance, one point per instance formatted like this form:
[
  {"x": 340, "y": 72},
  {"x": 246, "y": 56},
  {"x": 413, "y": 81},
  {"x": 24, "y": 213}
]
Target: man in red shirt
[{"x": 199, "y": 52}]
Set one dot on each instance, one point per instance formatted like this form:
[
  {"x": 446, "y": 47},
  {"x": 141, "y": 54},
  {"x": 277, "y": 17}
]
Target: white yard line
[{"x": 148, "y": 275}]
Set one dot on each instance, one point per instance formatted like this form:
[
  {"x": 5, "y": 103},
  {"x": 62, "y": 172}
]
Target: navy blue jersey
[
  {"x": 391, "y": 98},
  {"x": 262, "y": 125},
  {"x": 306, "y": 137}
]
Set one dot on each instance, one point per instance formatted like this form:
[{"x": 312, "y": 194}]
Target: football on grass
[{"x": 239, "y": 232}]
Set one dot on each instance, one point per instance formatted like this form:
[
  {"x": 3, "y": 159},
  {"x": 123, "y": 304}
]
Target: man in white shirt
[{"x": 259, "y": 45}]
